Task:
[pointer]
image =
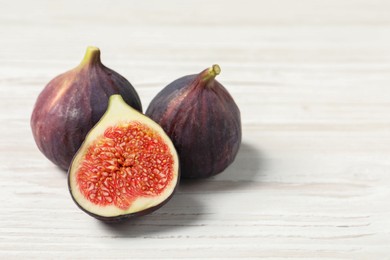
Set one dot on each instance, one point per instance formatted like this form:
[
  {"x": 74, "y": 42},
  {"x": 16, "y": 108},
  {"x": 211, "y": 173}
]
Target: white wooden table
[{"x": 312, "y": 80}]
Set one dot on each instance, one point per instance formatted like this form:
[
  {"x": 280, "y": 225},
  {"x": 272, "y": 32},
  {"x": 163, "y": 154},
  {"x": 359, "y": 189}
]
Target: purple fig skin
[
  {"x": 202, "y": 120},
  {"x": 72, "y": 103}
]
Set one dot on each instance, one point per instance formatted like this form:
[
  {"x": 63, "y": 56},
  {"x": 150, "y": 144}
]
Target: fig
[
  {"x": 72, "y": 103},
  {"x": 202, "y": 120},
  {"x": 127, "y": 166}
]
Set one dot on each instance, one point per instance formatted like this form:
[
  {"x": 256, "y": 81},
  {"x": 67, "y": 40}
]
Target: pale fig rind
[
  {"x": 202, "y": 120},
  {"x": 117, "y": 114},
  {"x": 72, "y": 103}
]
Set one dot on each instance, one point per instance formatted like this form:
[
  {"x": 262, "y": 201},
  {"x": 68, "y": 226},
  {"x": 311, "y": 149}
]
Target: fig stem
[
  {"x": 212, "y": 72},
  {"x": 92, "y": 56}
]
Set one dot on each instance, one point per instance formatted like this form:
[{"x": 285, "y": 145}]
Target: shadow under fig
[
  {"x": 182, "y": 211},
  {"x": 241, "y": 173}
]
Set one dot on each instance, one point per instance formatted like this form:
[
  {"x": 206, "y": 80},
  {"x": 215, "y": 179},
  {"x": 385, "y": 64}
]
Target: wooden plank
[{"x": 311, "y": 78}]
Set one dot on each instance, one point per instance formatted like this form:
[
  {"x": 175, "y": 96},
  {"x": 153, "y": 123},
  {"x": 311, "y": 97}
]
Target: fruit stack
[{"x": 122, "y": 163}]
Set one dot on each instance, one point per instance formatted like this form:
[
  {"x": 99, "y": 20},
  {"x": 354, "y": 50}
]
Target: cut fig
[
  {"x": 202, "y": 120},
  {"x": 127, "y": 166},
  {"x": 72, "y": 103}
]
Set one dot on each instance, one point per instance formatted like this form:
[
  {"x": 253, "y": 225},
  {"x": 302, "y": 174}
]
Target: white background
[{"x": 312, "y": 80}]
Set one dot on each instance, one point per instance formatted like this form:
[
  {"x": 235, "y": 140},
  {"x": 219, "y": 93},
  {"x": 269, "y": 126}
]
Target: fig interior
[
  {"x": 125, "y": 165},
  {"x": 128, "y": 161}
]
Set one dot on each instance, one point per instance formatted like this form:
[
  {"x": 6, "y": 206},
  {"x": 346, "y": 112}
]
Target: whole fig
[
  {"x": 72, "y": 103},
  {"x": 203, "y": 121}
]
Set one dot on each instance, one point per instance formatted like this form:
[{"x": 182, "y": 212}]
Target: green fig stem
[
  {"x": 92, "y": 56},
  {"x": 211, "y": 73}
]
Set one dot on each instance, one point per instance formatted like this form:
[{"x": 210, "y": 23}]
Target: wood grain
[{"x": 312, "y": 178}]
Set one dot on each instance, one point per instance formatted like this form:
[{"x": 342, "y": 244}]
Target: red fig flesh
[{"x": 126, "y": 166}]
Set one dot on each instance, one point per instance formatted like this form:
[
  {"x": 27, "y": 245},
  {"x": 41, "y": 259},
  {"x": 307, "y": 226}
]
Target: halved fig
[{"x": 127, "y": 166}]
